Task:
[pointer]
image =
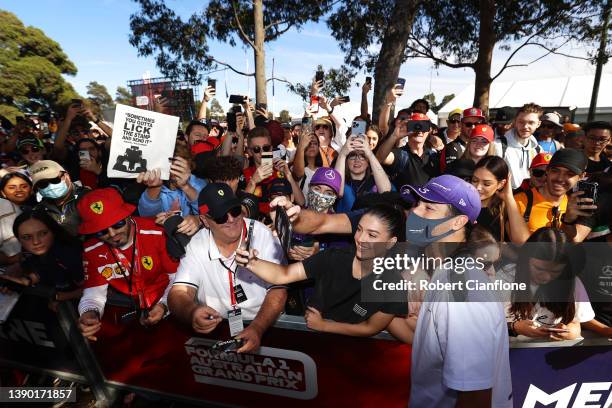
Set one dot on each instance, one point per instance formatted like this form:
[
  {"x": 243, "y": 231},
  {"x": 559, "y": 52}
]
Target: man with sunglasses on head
[
  {"x": 126, "y": 253},
  {"x": 209, "y": 286},
  {"x": 518, "y": 146},
  {"x": 455, "y": 149},
  {"x": 59, "y": 194}
]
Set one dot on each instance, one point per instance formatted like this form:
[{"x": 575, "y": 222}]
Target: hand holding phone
[{"x": 320, "y": 76}]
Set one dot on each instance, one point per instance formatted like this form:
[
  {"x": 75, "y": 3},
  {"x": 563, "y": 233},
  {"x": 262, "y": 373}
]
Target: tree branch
[
  {"x": 427, "y": 53},
  {"x": 554, "y": 51},
  {"x": 276, "y": 23},
  {"x": 243, "y": 34},
  {"x": 230, "y": 67},
  {"x": 280, "y": 80}
]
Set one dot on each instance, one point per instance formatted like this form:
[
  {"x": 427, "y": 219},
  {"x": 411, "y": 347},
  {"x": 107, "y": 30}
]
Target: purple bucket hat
[{"x": 447, "y": 189}]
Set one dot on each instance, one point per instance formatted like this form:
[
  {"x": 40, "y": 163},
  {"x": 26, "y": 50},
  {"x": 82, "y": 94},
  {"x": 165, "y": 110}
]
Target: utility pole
[{"x": 601, "y": 58}]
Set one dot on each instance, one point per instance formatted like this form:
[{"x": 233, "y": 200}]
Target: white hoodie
[{"x": 518, "y": 157}]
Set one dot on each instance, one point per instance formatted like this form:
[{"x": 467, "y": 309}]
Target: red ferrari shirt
[
  {"x": 146, "y": 280},
  {"x": 261, "y": 191}
]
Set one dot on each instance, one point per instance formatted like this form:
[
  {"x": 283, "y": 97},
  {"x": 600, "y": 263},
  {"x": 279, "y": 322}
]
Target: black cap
[
  {"x": 280, "y": 186},
  {"x": 462, "y": 168},
  {"x": 216, "y": 199},
  {"x": 572, "y": 159},
  {"x": 175, "y": 241},
  {"x": 504, "y": 115}
]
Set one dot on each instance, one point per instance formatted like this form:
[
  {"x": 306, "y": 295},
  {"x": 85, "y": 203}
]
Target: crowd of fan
[{"x": 177, "y": 248}]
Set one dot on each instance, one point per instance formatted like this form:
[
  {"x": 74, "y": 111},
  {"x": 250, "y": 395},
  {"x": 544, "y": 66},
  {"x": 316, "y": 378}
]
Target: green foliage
[
  {"x": 123, "y": 96},
  {"x": 337, "y": 82},
  {"x": 181, "y": 46},
  {"x": 216, "y": 110},
  {"x": 431, "y": 98},
  {"x": 99, "y": 97},
  {"x": 31, "y": 68}
]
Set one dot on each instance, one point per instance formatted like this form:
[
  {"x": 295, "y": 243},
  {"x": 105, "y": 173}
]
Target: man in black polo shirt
[{"x": 412, "y": 164}]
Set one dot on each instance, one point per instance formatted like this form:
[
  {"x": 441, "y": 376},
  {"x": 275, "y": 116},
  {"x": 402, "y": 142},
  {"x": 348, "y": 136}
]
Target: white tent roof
[{"x": 565, "y": 91}]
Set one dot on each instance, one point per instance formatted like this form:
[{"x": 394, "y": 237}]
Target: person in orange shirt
[{"x": 546, "y": 206}]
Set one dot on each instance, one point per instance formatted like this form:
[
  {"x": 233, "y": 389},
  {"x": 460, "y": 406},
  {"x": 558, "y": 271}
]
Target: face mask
[
  {"x": 320, "y": 202},
  {"x": 419, "y": 229},
  {"x": 54, "y": 191}
]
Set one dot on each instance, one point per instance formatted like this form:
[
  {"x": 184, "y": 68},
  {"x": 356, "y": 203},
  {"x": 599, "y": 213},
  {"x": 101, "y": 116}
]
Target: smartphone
[
  {"x": 250, "y": 235},
  {"x": 556, "y": 330},
  {"x": 227, "y": 345},
  {"x": 418, "y": 126},
  {"x": 400, "y": 82},
  {"x": 212, "y": 83},
  {"x": 346, "y": 98},
  {"x": 239, "y": 99},
  {"x": 590, "y": 189},
  {"x": 369, "y": 80},
  {"x": 319, "y": 76},
  {"x": 307, "y": 121},
  {"x": 236, "y": 109},
  {"x": 231, "y": 121},
  {"x": 283, "y": 228},
  {"x": 266, "y": 158},
  {"x": 84, "y": 155},
  {"x": 77, "y": 102},
  {"x": 359, "y": 127},
  {"x": 314, "y": 102}
]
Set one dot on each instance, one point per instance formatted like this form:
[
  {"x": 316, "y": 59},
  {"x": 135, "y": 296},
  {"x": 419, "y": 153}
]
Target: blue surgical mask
[
  {"x": 419, "y": 230},
  {"x": 54, "y": 191}
]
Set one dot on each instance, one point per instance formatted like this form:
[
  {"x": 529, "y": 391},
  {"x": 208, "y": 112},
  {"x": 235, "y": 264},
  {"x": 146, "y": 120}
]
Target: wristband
[
  {"x": 511, "y": 330},
  {"x": 96, "y": 311}
]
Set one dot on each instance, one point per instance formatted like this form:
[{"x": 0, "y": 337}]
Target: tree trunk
[
  {"x": 392, "y": 52},
  {"x": 482, "y": 66},
  {"x": 259, "y": 52},
  {"x": 601, "y": 59}
]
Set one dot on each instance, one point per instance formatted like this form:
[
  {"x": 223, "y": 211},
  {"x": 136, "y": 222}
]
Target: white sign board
[{"x": 142, "y": 140}]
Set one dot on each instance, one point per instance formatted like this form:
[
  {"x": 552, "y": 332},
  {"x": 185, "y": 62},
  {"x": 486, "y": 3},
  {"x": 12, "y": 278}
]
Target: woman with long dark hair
[
  {"x": 554, "y": 301},
  {"x": 339, "y": 275},
  {"x": 307, "y": 159},
  {"x": 51, "y": 257},
  {"x": 17, "y": 188},
  {"x": 499, "y": 212}
]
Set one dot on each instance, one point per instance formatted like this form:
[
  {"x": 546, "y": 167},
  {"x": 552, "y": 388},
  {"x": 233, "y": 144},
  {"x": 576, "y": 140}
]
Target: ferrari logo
[
  {"x": 107, "y": 272},
  {"x": 548, "y": 157},
  {"x": 221, "y": 193},
  {"x": 97, "y": 207},
  {"x": 147, "y": 262}
]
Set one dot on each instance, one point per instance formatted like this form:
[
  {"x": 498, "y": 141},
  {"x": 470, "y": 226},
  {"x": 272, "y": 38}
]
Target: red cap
[
  {"x": 102, "y": 208},
  {"x": 473, "y": 113},
  {"x": 541, "y": 159},
  {"x": 207, "y": 145},
  {"x": 418, "y": 116},
  {"x": 483, "y": 131}
]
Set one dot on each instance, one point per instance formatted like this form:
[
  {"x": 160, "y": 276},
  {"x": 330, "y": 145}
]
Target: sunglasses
[
  {"x": 547, "y": 126},
  {"x": 357, "y": 157},
  {"x": 258, "y": 149},
  {"x": 234, "y": 212},
  {"x": 33, "y": 149},
  {"x": 45, "y": 183},
  {"x": 598, "y": 140},
  {"x": 470, "y": 124},
  {"x": 321, "y": 126},
  {"x": 538, "y": 172},
  {"x": 115, "y": 226},
  {"x": 454, "y": 121}
]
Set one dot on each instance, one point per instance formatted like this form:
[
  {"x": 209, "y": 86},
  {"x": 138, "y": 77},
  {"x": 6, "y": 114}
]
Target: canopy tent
[{"x": 561, "y": 92}]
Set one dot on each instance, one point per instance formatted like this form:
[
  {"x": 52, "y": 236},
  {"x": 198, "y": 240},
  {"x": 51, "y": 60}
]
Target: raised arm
[
  {"x": 383, "y": 184},
  {"x": 270, "y": 272},
  {"x": 384, "y": 154},
  {"x": 59, "y": 147},
  {"x": 311, "y": 222},
  {"x": 383, "y": 119},
  {"x": 298, "y": 160},
  {"x": 365, "y": 89},
  {"x": 518, "y": 229},
  {"x": 209, "y": 93},
  {"x": 374, "y": 325}
]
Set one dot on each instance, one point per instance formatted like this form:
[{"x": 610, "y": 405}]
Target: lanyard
[
  {"x": 132, "y": 267},
  {"x": 231, "y": 277}
]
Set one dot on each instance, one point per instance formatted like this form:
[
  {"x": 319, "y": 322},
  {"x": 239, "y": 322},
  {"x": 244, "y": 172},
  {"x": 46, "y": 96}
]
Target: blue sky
[{"x": 94, "y": 34}]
